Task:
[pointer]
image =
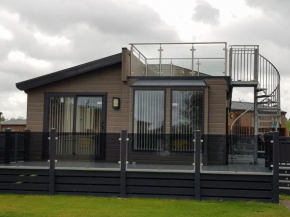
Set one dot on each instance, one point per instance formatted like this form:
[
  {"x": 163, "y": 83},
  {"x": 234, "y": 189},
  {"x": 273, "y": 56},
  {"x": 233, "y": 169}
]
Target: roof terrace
[{"x": 179, "y": 59}]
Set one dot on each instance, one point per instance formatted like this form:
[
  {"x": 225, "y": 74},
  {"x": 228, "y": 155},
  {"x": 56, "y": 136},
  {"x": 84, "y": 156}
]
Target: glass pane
[
  {"x": 60, "y": 115},
  {"x": 89, "y": 126},
  {"x": 89, "y": 115},
  {"x": 149, "y": 120},
  {"x": 187, "y": 117}
]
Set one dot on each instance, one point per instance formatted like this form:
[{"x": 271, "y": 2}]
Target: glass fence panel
[
  {"x": 222, "y": 153},
  {"x": 210, "y": 67},
  {"x": 212, "y": 50},
  {"x": 95, "y": 151},
  {"x": 182, "y": 67},
  {"x": 160, "y": 152},
  {"x": 99, "y": 151},
  {"x": 24, "y": 149},
  {"x": 153, "y": 67},
  {"x": 145, "y": 60},
  {"x": 208, "y": 59}
]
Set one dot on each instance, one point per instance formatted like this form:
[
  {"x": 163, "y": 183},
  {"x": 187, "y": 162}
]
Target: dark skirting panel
[
  {"x": 163, "y": 185},
  {"x": 24, "y": 181},
  {"x": 237, "y": 187},
  {"x": 98, "y": 183},
  {"x": 213, "y": 186}
]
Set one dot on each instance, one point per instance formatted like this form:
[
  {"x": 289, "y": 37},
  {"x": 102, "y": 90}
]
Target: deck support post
[
  {"x": 26, "y": 144},
  {"x": 52, "y": 139},
  {"x": 16, "y": 148},
  {"x": 7, "y": 145},
  {"x": 197, "y": 140},
  {"x": 276, "y": 167},
  {"x": 123, "y": 143}
]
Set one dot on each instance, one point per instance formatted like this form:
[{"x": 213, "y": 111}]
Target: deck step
[
  {"x": 263, "y": 96},
  {"x": 244, "y": 83},
  {"x": 261, "y": 89},
  {"x": 269, "y": 108},
  {"x": 265, "y": 121},
  {"x": 267, "y": 115},
  {"x": 265, "y": 102}
]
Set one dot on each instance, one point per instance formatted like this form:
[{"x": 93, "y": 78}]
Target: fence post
[
  {"x": 16, "y": 148},
  {"x": 231, "y": 63},
  {"x": 197, "y": 140},
  {"x": 52, "y": 138},
  {"x": 7, "y": 146},
  {"x": 276, "y": 167},
  {"x": 123, "y": 143},
  {"x": 26, "y": 144}
]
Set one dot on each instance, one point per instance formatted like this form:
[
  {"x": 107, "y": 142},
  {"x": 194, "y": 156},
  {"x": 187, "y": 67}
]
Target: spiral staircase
[{"x": 248, "y": 68}]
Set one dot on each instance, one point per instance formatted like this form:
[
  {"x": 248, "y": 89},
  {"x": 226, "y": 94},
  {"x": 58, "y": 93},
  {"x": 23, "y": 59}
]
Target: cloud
[
  {"x": 5, "y": 34},
  {"x": 206, "y": 13},
  {"x": 271, "y": 7},
  {"x": 40, "y": 37}
]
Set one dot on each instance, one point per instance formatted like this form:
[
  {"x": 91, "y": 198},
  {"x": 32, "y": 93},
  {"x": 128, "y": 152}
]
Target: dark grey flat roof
[
  {"x": 14, "y": 122},
  {"x": 169, "y": 83},
  {"x": 70, "y": 72}
]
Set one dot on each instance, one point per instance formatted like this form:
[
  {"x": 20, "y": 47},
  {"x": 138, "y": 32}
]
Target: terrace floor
[{"x": 81, "y": 165}]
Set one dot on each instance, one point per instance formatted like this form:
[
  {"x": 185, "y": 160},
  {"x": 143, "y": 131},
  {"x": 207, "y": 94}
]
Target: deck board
[{"x": 245, "y": 168}]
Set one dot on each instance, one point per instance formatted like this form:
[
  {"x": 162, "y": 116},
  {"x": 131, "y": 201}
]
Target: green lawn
[
  {"x": 284, "y": 197},
  {"x": 20, "y": 205}
]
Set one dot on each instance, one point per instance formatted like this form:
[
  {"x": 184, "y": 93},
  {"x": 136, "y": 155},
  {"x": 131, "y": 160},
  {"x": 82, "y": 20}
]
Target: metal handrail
[
  {"x": 270, "y": 95},
  {"x": 179, "y": 43},
  {"x": 184, "y": 58}
]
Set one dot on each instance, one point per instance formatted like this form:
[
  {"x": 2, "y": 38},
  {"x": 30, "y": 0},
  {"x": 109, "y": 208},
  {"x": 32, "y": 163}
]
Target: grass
[
  {"x": 64, "y": 206},
  {"x": 284, "y": 197},
  {"x": 288, "y": 124}
]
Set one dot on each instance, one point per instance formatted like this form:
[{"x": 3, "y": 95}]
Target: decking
[{"x": 233, "y": 168}]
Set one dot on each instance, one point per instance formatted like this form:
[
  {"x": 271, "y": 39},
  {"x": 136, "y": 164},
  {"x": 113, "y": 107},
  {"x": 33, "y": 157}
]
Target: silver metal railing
[
  {"x": 247, "y": 65},
  {"x": 179, "y": 59}
]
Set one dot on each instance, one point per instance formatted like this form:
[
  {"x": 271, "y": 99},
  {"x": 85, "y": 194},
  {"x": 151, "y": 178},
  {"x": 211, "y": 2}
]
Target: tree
[
  {"x": 287, "y": 124},
  {"x": 2, "y": 119}
]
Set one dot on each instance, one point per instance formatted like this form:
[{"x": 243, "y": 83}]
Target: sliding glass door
[
  {"x": 186, "y": 118},
  {"x": 80, "y": 123}
]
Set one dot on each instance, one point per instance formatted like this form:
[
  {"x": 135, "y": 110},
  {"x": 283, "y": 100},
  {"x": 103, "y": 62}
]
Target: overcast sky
[{"x": 39, "y": 37}]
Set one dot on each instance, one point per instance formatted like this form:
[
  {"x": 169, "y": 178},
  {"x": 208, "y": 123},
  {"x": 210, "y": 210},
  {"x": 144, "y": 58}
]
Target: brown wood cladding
[
  {"x": 217, "y": 103},
  {"x": 114, "y": 81},
  {"x": 108, "y": 80}
]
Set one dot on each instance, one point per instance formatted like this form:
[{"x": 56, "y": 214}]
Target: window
[
  {"x": 149, "y": 119},
  {"x": 186, "y": 118}
]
